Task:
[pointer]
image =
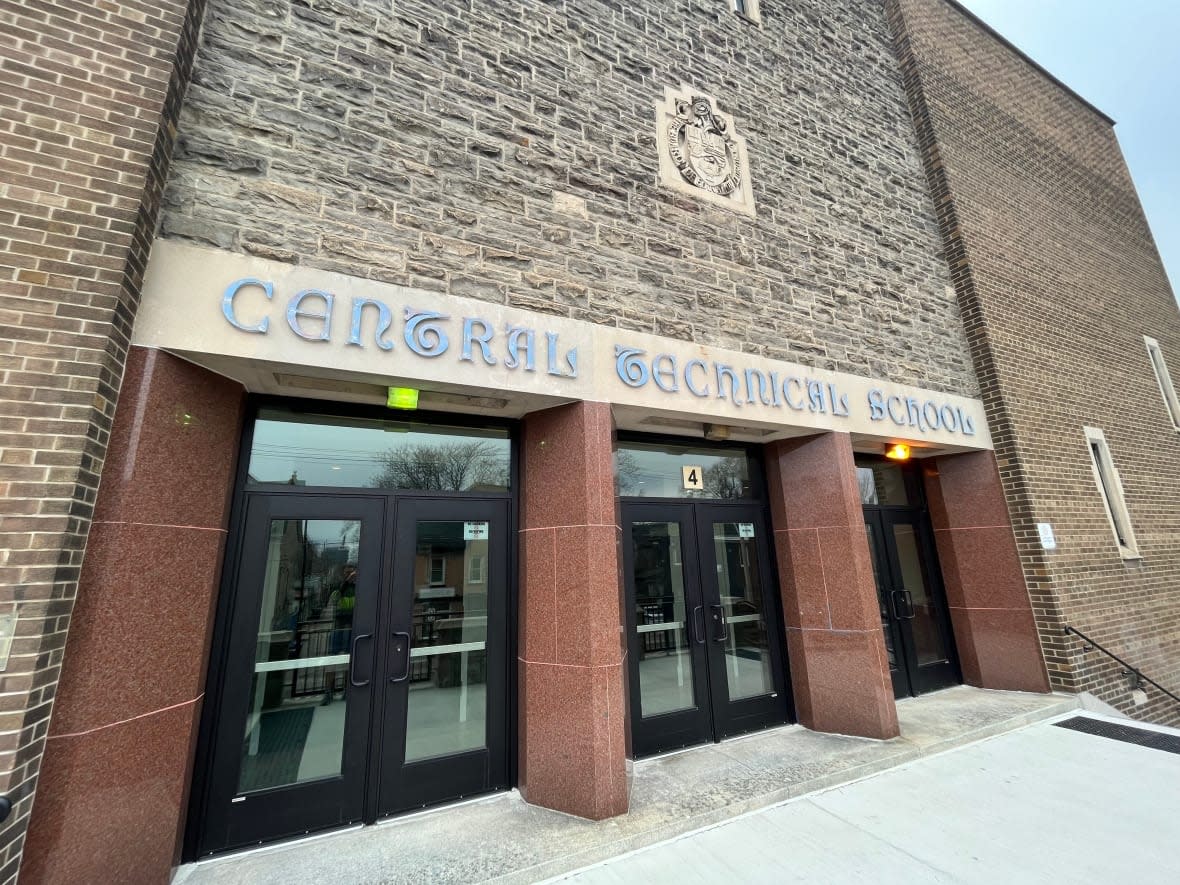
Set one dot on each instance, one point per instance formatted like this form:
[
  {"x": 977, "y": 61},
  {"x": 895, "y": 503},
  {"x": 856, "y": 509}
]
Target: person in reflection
[{"x": 339, "y": 610}]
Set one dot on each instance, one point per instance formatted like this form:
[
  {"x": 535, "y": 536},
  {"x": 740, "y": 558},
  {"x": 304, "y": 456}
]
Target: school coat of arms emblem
[
  {"x": 704, "y": 152},
  {"x": 702, "y": 155}
]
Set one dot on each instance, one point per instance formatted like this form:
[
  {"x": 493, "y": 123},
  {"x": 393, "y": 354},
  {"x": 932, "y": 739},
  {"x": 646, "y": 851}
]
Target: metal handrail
[{"x": 1136, "y": 675}]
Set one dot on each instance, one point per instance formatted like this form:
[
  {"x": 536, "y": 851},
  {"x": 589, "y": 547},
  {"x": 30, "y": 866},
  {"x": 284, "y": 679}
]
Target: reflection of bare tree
[
  {"x": 726, "y": 478},
  {"x": 866, "y": 479},
  {"x": 627, "y": 473},
  {"x": 453, "y": 466}
]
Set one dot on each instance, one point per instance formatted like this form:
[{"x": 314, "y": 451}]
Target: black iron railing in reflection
[
  {"x": 1133, "y": 674},
  {"x": 312, "y": 640},
  {"x": 655, "y": 640}
]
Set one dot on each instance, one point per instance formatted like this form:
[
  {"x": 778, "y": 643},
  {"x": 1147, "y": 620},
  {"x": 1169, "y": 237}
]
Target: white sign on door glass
[
  {"x": 475, "y": 531},
  {"x": 693, "y": 477},
  {"x": 745, "y": 529},
  {"x": 1048, "y": 541}
]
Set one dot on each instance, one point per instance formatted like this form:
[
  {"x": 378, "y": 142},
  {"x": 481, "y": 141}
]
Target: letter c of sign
[
  {"x": 227, "y": 304},
  {"x": 688, "y": 382}
]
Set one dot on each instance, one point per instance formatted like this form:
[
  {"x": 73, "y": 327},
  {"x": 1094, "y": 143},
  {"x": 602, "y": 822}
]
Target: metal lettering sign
[
  {"x": 312, "y": 315},
  {"x": 692, "y": 477},
  {"x": 742, "y": 387},
  {"x": 475, "y": 531}
]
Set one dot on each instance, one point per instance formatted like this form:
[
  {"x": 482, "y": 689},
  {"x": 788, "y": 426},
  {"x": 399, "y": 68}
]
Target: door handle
[
  {"x": 699, "y": 610},
  {"x": 903, "y": 605},
  {"x": 406, "y": 669},
  {"x": 719, "y": 617},
  {"x": 352, "y": 680}
]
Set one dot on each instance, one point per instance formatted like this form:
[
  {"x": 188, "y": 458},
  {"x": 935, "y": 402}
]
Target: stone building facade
[{"x": 927, "y": 240}]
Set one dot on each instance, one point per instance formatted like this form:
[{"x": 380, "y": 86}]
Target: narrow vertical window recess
[
  {"x": 1171, "y": 401},
  {"x": 1111, "y": 489},
  {"x": 747, "y": 9}
]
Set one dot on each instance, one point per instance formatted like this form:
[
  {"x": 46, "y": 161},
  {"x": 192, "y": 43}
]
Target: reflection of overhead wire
[{"x": 332, "y": 455}]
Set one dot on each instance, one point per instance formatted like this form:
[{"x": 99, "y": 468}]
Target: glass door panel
[
  {"x": 661, "y": 619},
  {"x": 667, "y": 647},
  {"x": 898, "y": 672},
  {"x": 448, "y": 652},
  {"x": 445, "y": 673},
  {"x": 289, "y": 752},
  {"x": 739, "y": 617},
  {"x": 747, "y": 670},
  {"x": 295, "y": 727},
  {"x": 928, "y": 643}
]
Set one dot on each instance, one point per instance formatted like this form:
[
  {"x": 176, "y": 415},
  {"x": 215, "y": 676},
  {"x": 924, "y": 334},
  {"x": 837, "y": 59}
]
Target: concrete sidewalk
[
  {"x": 1042, "y": 804},
  {"x": 503, "y": 839}
]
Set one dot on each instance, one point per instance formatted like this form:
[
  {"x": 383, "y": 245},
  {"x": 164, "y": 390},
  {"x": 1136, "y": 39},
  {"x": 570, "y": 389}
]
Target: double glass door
[
  {"x": 703, "y": 628},
  {"x": 366, "y": 663},
  {"x": 918, "y": 639}
]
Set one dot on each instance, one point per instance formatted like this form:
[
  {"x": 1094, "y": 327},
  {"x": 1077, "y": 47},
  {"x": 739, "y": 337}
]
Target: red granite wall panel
[{"x": 118, "y": 755}]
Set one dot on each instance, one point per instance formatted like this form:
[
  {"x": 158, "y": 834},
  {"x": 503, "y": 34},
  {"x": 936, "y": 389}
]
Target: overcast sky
[{"x": 1123, "y": 58}]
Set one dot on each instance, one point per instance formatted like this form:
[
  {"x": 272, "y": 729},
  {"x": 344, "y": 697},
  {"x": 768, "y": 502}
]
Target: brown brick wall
[
  {"x": 84, "y": 151},
  {"x": 1059, "y": 280}
]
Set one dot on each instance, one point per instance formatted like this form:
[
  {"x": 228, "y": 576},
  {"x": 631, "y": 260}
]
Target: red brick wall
[
  {"x": 89, "y": 94},
  {"x": 1058, "y": 280}
]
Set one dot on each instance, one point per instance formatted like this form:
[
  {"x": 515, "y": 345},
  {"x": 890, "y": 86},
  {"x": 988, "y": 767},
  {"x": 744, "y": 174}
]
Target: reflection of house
[{"x": 450, "y": 595}]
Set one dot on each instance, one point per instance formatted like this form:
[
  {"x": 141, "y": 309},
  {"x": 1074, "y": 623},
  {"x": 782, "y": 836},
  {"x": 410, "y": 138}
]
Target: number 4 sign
[{"x": 693, "y": 477}]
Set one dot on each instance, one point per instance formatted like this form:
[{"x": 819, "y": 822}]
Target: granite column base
[
  {"x": 839, "y": 669},
  {"x": 113, "y": 789},
  {"x": 991, "y": 613},
  {"x": 572, "y": 668}
]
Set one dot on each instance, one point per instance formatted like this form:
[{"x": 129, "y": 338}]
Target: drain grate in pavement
[{"x": 1128, "y": 734}]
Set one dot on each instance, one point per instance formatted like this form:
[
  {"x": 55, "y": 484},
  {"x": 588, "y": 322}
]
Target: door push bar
[
  {"x": 406, "y": 670},
  {"x": 903, "y": 605},
  {"x": 356, "y": 683}
]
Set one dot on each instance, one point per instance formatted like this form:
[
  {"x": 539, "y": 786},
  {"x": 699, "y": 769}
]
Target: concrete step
[{"x": 505, "y": 840}]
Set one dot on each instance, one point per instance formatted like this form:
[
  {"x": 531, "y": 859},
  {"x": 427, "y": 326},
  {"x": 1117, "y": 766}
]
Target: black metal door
[
  {"x": 367, "y": 663},
  {"x": 670, "y": 704},
  {"x": 444, "y": 674},
  {"x": 743, "y": 635},
  {"x": 291, "y": 743},
  {"x": 703, "y": 624},
  {"x": 917, "y": 626}
]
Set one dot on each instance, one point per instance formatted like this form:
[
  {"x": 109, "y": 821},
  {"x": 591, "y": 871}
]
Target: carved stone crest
[
  {"x": 701, "y": 148},
  {"x": 700, "y": 154}
]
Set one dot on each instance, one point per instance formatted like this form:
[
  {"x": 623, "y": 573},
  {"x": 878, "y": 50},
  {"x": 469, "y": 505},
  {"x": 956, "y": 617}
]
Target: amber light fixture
[{"x": 897, "y": 451}]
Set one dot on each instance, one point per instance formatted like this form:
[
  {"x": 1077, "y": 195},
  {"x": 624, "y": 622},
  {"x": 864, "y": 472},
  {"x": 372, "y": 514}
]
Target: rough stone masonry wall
[
  {"x": 88, "y": 96},
  {"x": 505, "y": 151},
  {"x": 1059, "y": 280}
]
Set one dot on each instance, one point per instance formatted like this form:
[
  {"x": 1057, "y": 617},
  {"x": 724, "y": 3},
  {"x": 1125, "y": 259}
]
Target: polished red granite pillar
[
  {"x": 839, "y": 671},
  {"x": 573, "y": 729},
  {"x": 995, "y": 632},
  {"x": 113, "y": 787}
]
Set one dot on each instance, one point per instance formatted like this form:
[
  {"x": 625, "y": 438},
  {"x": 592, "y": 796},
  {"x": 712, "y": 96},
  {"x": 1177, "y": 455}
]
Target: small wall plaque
[{"x": 1048, "y": 541}]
